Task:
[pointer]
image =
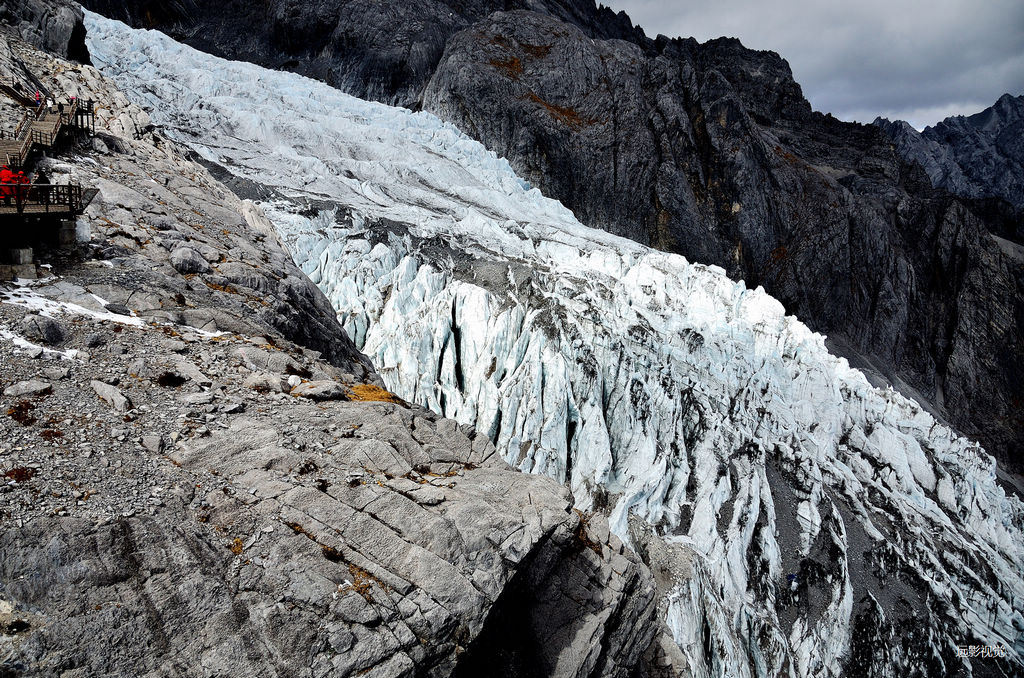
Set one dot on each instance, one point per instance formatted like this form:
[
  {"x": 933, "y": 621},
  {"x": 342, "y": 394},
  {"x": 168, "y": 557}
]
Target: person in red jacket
[
  {"x": 22, "y": 188},
  {"x": 6, "y": 177}
]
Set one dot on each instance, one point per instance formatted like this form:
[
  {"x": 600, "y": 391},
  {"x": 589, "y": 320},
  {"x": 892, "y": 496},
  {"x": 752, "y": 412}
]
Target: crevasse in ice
[{"x": 657, "y": 388}]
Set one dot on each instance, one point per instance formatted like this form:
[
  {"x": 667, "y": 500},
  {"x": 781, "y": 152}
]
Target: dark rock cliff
[
  {"x": 709, "y": 150},
  {"x": 52, "y": 25},
  {"x": 383, "y": 51},
  {"x": 975, "y": 156}
]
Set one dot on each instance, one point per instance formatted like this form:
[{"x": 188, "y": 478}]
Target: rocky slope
[
  {"x": 975, "y": 156},
  {"x": 200, "y": 475},
  {"x": 792, "y": 514},
  {"x": 708, "y": 150}
]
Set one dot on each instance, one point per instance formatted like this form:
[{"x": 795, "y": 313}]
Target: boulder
[
  {"x": 43, "y": 329},
  {"x": 187, "y": 260},
  {"x": 321, "y": 390},
  {"x": 32, "y": 387},
  {"x": 111, "y": 395},
  {"x": 265, "y": 383}
]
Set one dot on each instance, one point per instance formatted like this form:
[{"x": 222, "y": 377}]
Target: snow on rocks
[{"x": 810, "y": 512}]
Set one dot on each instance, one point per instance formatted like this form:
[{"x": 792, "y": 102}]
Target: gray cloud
[{"x": 909, "y": 59}]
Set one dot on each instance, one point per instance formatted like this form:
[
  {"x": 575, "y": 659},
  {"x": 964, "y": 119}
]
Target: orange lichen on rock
[
  {"x": 363, "y": 581},
  {"x": 563, "y": 114},
  {"x": 512, "y": 67},
  {"x": 373, "y": 393}
]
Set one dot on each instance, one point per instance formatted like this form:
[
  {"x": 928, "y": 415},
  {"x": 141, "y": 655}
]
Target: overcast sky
[{"x": 909, "y": 59}]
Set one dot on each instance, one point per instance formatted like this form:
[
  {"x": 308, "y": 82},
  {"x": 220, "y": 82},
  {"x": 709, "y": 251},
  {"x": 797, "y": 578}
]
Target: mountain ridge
[{"x": 973, "y": 156}]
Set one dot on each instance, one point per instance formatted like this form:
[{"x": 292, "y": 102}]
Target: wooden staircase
[{"x": 40, "y": 127}]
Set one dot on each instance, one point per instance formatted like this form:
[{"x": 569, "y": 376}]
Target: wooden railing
[
  {"x": 14, "y": 92},
  {"x": 17, "y": 158},
  {"x": 23, "y": 124},
  {"x": 49, "y": 197},
  {"x": 44, "y": 137}
]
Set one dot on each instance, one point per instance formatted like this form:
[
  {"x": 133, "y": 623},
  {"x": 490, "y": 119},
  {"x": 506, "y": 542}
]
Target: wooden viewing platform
[
  {"x": 43, "y": 199},
  {"x": 41, "y": 214}
]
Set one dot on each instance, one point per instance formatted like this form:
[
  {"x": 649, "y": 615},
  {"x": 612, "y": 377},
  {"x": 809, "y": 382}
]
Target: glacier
[{"x": 801, "y": 522}]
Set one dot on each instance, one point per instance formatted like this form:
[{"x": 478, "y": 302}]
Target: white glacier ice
[{"x": 657, "y": 388}]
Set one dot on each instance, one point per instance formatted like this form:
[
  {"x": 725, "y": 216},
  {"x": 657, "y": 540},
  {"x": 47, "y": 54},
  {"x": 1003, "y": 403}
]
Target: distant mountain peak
[{"x": 973, "y": 156}]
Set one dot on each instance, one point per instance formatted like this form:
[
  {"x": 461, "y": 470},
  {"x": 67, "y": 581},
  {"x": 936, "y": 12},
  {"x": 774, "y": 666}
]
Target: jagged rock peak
[{"x": 974, "y": 156}]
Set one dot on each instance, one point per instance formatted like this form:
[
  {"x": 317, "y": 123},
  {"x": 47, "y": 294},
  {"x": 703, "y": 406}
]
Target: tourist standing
[{"x": 6, "y": 179}]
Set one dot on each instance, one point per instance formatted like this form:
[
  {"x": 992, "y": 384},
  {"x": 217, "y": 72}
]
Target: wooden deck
[
  {"x": 45, "y": 199},
  {"x": 35, "y": 208}
]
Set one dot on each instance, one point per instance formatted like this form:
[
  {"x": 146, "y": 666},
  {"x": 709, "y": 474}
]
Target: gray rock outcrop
[
  {"x": 187, "y": 260},
  {"x": 52, "y": 25},
  {"x": 271, "y": 560}
]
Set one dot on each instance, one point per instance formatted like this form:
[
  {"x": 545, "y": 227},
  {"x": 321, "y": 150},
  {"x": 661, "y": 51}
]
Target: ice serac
[
  {"x": 711, "y": 151},
  {"x": 708, "y": 150},
  {"x": 798, "y": 520}
]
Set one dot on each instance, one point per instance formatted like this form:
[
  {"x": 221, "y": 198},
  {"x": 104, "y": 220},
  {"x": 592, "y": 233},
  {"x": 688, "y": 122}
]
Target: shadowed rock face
[
  {"x": 53, "y": 25},
  {"x": 976, "y": 156},
  {"x": 708, "y": 150}
]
